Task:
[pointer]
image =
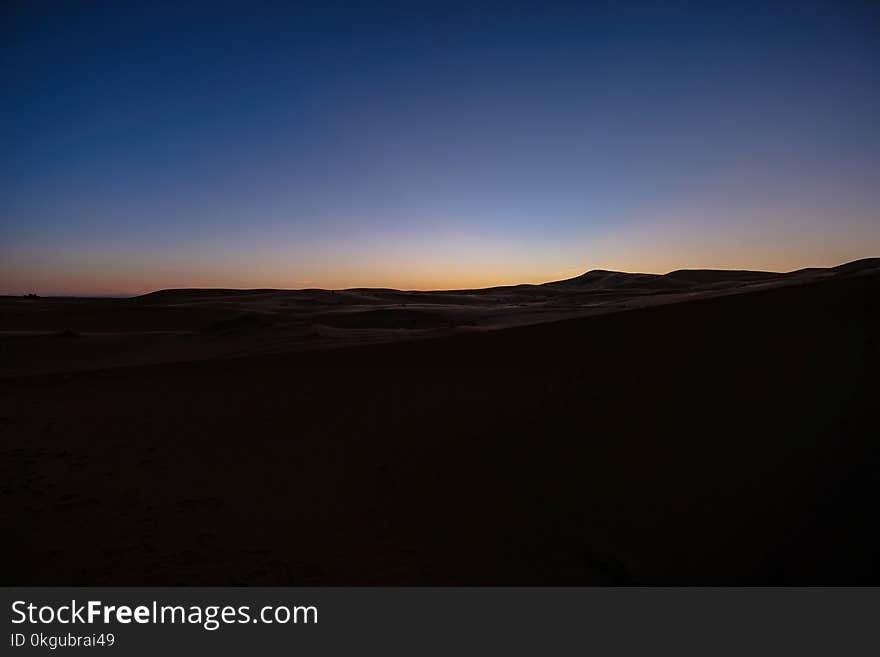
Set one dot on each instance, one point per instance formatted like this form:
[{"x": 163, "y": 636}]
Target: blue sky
[{"x": 424, "y": 145}]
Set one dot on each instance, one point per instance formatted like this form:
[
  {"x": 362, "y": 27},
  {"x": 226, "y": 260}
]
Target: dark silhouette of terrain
[
  {"x": 692, "y": 428},
  {"x": 176, "y": 325}
]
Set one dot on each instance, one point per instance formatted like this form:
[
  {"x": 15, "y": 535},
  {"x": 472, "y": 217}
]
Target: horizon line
[{"x": 123, "y": 295}]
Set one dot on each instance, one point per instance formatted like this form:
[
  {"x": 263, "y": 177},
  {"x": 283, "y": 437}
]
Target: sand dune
[
  {"x": 709, "y": 438},
  {"x": 195, "y": 324}
]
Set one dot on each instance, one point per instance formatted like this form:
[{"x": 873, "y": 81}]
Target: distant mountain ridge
[
  {"x": 682, "y": 279},
  {"x": 596, "y": 279}
]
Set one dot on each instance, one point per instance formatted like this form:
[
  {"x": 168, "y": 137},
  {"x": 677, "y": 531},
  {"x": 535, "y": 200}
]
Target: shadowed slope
[{"x": 726, "y": 440}]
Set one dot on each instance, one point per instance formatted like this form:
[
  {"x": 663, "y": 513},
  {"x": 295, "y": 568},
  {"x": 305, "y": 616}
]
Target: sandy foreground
[{"x": 668, "y": 430}]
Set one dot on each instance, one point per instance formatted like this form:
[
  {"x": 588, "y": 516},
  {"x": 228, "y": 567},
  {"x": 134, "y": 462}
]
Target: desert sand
[{"x": 698, "y": 427}]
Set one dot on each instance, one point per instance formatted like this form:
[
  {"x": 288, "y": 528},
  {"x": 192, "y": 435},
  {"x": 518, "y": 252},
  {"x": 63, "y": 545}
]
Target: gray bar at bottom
[{"x": 444, "y": 621}]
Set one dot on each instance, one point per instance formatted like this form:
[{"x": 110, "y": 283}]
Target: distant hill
[
  {"x": 699, "y": 279},
  {"x": 679, "y": 280},
  {"x": 707, "y": 276},
  {"x": 602, "y": 279}
]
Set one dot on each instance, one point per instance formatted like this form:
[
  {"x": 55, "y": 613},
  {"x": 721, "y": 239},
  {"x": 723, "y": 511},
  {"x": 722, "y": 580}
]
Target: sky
[{"x": 428, "y": 145}]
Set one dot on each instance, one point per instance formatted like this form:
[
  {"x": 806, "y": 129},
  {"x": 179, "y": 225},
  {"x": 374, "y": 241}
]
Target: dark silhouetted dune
[
  {"x": 601, "y": 279},
  {"x": 714, "y": 276},
  {"x": 721, "y": 437},
  {"x": 863, "y": 265}
]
